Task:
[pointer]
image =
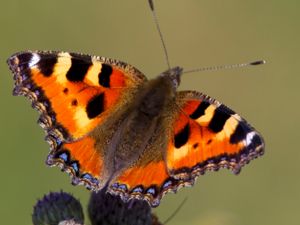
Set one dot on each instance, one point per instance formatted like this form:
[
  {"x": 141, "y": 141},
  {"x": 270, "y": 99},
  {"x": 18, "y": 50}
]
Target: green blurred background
[{"x": 198, "y": 33}]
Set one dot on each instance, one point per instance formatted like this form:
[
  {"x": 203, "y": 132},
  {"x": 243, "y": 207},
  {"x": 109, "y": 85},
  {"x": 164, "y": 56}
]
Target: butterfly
[{"x": 111, "y": 128}]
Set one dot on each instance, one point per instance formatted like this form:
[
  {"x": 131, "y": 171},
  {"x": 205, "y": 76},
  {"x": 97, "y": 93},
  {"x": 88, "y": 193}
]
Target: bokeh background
[{"x": 197, "y": 33}]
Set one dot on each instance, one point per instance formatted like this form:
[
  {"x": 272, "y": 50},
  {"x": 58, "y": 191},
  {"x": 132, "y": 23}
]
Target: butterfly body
[
  {"x": 137, "y": 124},
  {"x": 109, "y": 127}
]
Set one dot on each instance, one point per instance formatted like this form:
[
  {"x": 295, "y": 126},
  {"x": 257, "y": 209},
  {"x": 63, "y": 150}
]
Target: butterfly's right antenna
[
  {"x": 222, "y": 67},
  {"x": 151, "y": 4}
]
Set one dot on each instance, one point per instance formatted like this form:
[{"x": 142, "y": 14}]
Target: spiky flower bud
[
  {"x": 107, "y": 209},
  {"x": 57, "y": 207}
]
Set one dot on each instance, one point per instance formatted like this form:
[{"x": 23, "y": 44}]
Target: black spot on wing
[
  {"x": 95, "y": 106},
  {"x": 24, "y": 60},
  {"x": 240, "y": 133},
  {"x": 218, "y": 120},
  {"x": 195, "y": 145},
  {"x": 182, "y": 137},
  {"x": 200, "y": 111},
  {"x": 104, "y": 75},
  {"x": 225, "y": 109},
  {"x": 74, "y": 102},
  {"x": 79, "y": 67},
  {"x": 47, "y": 63},
  {"x": 66, "y": 90}
]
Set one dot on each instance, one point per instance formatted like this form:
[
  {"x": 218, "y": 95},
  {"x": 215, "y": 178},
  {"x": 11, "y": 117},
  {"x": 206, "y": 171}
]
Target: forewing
[
  {"x": 207, "y": 135},
  {"x": 73, "y": 92}
]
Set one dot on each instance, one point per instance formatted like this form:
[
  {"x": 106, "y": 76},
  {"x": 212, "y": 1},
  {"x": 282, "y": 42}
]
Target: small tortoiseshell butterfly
[{"x": 109, "y": 127}]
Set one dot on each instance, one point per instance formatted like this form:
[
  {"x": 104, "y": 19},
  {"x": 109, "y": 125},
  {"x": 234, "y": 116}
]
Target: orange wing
[
  {"x": 207, "y": 136},
  {"x": 75, "y": 94},
  {"x": 148, "y": 180},
  {"x": 81, "y": 160}
]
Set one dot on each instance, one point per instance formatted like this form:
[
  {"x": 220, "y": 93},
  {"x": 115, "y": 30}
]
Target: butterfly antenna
[
  {"x": 222, "y": 67},
  {"x": 175, "y": 212},
  {"x": 151, "y": 4}
]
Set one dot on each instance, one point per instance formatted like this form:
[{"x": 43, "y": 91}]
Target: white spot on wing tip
[
  {"x": 34, "y": 60},
  {"x": 249, "y": 137}
]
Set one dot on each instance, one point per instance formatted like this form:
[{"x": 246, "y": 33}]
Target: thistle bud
[
  {"x": 107, "y": 209},
  {"x": 57, "y": 207}
]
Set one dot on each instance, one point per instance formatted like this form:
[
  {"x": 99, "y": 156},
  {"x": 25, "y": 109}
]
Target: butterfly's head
[{"x": 173, "y": 74}]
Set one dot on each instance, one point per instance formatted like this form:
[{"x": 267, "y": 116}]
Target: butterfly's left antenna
[{"x": 151, "y": 4}]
